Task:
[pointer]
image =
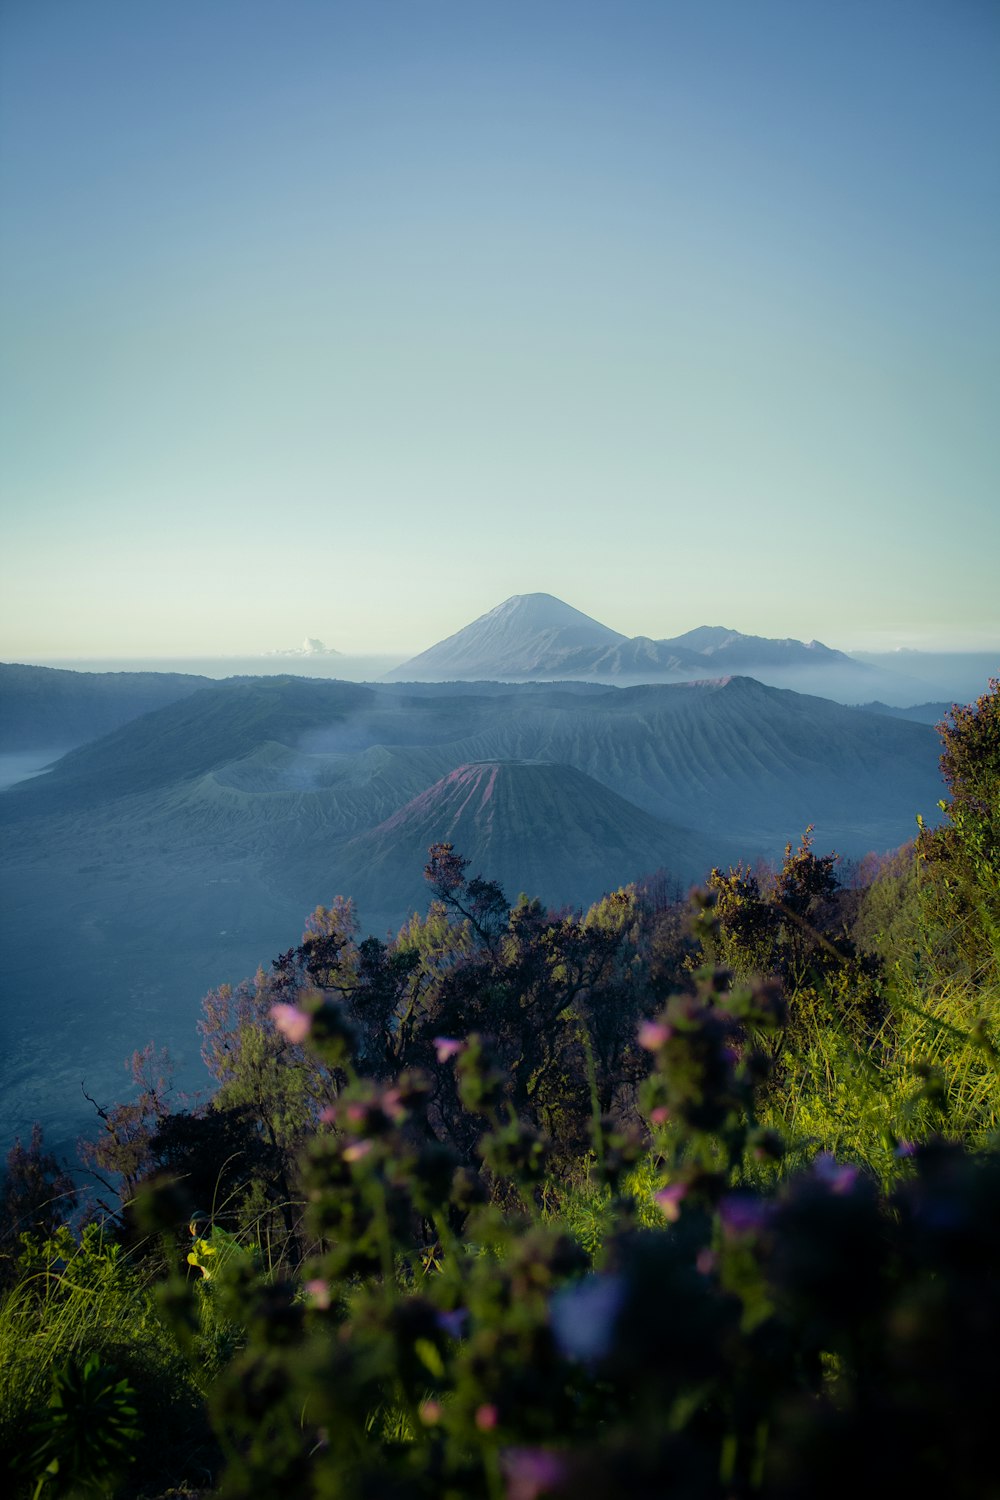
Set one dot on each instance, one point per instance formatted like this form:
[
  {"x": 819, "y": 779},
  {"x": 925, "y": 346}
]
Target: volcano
[{"x": 534, "y": 826}]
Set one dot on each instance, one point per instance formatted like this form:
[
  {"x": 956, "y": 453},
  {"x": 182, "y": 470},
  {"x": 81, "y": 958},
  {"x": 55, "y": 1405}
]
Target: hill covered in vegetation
[{"x": 528, "y": 1203}]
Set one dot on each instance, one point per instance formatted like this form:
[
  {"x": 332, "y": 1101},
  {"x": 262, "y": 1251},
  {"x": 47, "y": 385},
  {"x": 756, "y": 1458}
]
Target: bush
[{"x": 451, "y": 1338}]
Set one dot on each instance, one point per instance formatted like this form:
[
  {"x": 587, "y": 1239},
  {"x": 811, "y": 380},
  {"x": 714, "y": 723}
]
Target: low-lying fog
[{"x": 18, "y": 765}]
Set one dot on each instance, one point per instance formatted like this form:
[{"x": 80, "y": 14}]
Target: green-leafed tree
[
  {"x": 794, "y": 927},
  {"x": 960, "y": 861},
  {"x": 36, "y": 1196}
]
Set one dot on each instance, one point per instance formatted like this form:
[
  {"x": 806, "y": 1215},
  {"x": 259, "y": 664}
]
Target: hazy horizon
[
  {"x": 352, "y": 321},
  {"x": 873, "y": 644}
]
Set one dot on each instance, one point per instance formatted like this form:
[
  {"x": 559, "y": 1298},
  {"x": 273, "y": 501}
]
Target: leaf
[{"x": 430, "y": 1357}]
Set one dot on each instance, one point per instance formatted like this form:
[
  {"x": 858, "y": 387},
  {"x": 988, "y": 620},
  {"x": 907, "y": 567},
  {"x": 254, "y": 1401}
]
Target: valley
[{"x": 185, "y": 847}]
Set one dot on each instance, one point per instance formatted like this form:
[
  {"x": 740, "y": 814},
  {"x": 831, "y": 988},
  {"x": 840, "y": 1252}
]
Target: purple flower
[
  {"x": 583, "y": 1317},
  {"x": 839, "y": 1179},
  {"x": 446, "y": 1047},
  {"x": 453, "y": 1323},
  {"x": 531, "y": 1472},
  {"x": 293, "y": 1023},
  {"x": 742, "y": 1214}
]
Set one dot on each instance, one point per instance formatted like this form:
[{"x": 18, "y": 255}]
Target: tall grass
[
  {"x": 931, "y": 1067},
  {"x": 78, "y": 1298}
]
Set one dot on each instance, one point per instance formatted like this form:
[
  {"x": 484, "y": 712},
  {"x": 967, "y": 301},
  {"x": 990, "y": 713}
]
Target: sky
[{"x": 351, "y": 320}]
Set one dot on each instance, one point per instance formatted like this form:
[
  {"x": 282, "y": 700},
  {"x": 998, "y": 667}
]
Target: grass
[
  {"x": 929, "y": 1068},
  {"x": 76, "y": 1299}
]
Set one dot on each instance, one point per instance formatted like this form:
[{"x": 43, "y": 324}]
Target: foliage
[
  {"x": 889, "y": 923},
  {"x": 124, "y": 1146},
  {"x": 754, "y": 1343},
  {"x": 87, "y": 1433},
  {"x": 960, "y": 861},
  {"x": 794, "y": 927},
  {"x": 37, "y": 1196},
  {"x": 78, "y": 1300}
]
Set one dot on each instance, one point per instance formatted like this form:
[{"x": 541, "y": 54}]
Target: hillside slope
[{"x": 211, "y": 727}]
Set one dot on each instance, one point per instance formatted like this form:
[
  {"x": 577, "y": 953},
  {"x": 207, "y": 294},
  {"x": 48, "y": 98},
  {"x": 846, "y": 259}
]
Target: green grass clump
[
  {"x": 930, "y": 1068},
  {"x": 84, "y": 1301}
]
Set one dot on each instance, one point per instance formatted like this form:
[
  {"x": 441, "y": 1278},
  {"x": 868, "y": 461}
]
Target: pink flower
[
  {"x": 487, "y": 1417},
  {"x": 668, "y": 1201},
  {"x": 653, "y": 1035},
  {"x": 293, "y": 1023},
  {"x": 431, "y": 1412},
  {"x": 660, "y": 1115},
  {"x": 318, "y": 1293},
  {"x": 357, "y": 1150},
  {"x": 393, "y": 1106},
  {"x": 446, "y": 1047},
  {"x": 706, "y": 1261}
]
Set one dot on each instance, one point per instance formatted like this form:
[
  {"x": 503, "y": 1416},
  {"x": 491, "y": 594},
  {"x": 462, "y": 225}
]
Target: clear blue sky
[{"x": 352, "y": 319}]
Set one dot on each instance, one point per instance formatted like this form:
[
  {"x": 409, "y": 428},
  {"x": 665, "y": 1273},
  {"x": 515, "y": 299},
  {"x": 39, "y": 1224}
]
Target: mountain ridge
[{"x": 540, "y": 636}]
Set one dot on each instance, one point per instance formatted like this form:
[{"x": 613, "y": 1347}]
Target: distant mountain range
[
  {"x": 47, "y": 707},
  {"x": 536, "y": 637},
  {"x": 920, "y": 713},
  {"x": 539, "y": 636},
  {"x": 186, "y": 846},
  {"x": 530, "y": 637}
]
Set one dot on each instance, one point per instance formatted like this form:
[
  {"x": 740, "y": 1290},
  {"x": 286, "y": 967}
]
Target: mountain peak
[
  {"x": 703, "y": 638},
  {"x": 544, "y": 611},
  {"x": 527, "y": 633},
  {"x": 537, "y": 602}
]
